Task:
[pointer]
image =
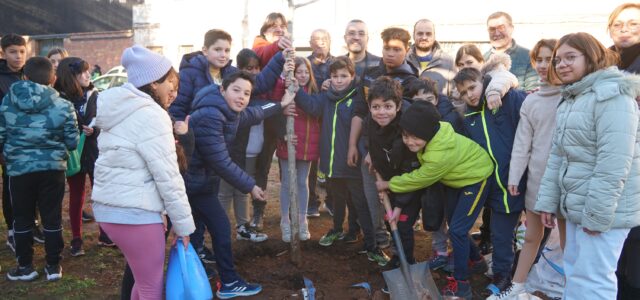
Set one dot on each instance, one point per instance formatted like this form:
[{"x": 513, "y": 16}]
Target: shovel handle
[{"x": 387, "y": 204}]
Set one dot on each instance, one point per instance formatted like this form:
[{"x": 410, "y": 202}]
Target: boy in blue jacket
[
  {"x": 495, "y": 130},
  {"x": 217, "y": 113},
  {"x": 335, "y": 107}
]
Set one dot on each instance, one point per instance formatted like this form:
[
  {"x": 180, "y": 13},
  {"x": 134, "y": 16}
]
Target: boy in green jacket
[{"x": 456, "y": 162}]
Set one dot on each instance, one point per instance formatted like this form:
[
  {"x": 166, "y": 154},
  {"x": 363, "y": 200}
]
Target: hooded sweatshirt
[
  {"x": 37, "y": 128},
  {"x": 7, "y": 77}
]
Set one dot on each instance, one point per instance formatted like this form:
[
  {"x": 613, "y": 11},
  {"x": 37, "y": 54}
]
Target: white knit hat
[{"x": 143, "y": 65}]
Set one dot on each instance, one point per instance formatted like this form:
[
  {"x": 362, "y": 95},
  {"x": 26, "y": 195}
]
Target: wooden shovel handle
[{"x": 387, "y": 204}]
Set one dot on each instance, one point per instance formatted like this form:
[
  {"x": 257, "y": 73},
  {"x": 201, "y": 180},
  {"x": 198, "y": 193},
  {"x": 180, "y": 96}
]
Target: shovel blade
[{"x": 424, "y": 286}]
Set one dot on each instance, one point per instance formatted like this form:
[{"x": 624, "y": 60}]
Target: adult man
[
  {"x": 320, "y": 58},
  {"x": 356, "y": 37},
  {"x": 427, "y": 56},
  {"x": 500, "y": 27}
]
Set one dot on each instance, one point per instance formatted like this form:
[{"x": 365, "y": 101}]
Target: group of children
[{"x": 387, "y": 126}]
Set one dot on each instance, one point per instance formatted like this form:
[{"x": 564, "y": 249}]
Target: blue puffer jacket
[
  {"x": 449, "y": 114},
  {"x": 214, "y": 127},
  {"x": 336, "y": 111},
  {"x": 194, "y": 75},
  {"x": 495, "y": 132}
]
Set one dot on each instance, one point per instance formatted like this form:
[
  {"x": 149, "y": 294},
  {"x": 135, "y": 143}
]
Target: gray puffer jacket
[{"x": 593, "y": 171}]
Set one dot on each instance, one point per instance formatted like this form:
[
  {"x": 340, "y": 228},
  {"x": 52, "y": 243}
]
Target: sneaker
[
  {"x": 438, "y": 262},
  {"x": 330, "y": 237},
  {"x": 258, "y": 217},
  {"x": 53, "y": 272},
  {"x": 11, "y": 243},
  {"x": 305, "y": 235},
  {"x": 286, "y": 232},
  {"x": 385, "y": 289},
  {"x": 363, "y": 250},
  {"x": 499, "y": 284},
  {"x": 476, "y": 236},
  {"x": 511, "y": 292},
  {"x": 206, "y": 255},
  {"x": 313, "y": 212},
  {"x": 87, "y": 217},
  {"x": 211, "y": 273},
  {"x": 38, "y": 236},
  {"x": 457, "y": 288},
  {"x": 76, "y": 247},
  {"x": 27, "y": 273},
  {"x": 246, "y": 232},
  {"x": 378, "y": 256},
  {"x": 486, "y": 247},
  {"x": 238, "y": 288},
  {"x": 351, "y": 237},
  {"x": 328, "y": 208},
  {"x": 383, "y": 244},
  {"x": 105, "y": 241},
  {"x": 478, "y": 267}
]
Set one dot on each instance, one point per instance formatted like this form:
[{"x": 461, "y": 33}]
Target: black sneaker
[
  {"x": 206, "y": 255},
  {"x": 313, "y": 212},
  {"x": 11, "y": 243},
  {"x": 76, "y": 247},
  {"x": 105, "y": 241},
  {"x": 246, "y": 232},
  {"x": 351, "y": 237},
  {"x": 38, "y": 237},
  {"x": 385, "y": 289},
  {"x": 27, "y": 273},
  {"x": 54, "y": 272},
  {"x": 87, "y": 217}
]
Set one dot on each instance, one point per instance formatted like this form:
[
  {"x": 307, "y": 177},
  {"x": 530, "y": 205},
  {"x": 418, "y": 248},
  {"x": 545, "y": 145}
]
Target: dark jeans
[
  {"x": 345, "y": 191},
  {"x": 7, "y": 211},
  {"x": 206, "y": 208},
  {"x": 45, "y": 191}
]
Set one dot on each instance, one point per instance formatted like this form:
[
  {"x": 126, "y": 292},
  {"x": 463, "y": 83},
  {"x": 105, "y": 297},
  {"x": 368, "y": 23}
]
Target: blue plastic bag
[{"x": 186, "y": 278}]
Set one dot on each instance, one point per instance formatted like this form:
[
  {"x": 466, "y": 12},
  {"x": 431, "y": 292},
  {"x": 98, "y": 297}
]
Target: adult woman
[
  {"x": 137, "y": 175},
  {"x": 55, "y": 55},
  {"x": 624, "y": 30},
  {"x": 593, "y": 169}
]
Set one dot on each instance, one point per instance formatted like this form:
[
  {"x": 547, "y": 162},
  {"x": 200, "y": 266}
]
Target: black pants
[
  {"x": 44, "y": 190},
  {"x": 408, "y": 217},
  {"x": 485, "y": 228},
  {"x": 629, "y": 267},
  {"x": 349, "y": 192},
  {"x": 7, "y": 211}
]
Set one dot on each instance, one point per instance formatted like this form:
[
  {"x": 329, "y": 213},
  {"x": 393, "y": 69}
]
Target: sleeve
[
  {"x": 311, "y": 104},
  {"x": 3, "y": 125},
  {"x": 549, "y": 192},
  {"x": 210, "y": 144},
  {"x": 253, "y": 115},
  {"x": 501, "y": 82},
  {"x": 265, "y": 50},
  {"x": 616, "y": 124},
  {"x": 71, "y": 134},
  {"x": 360, "y": 108},
  {"x": 278, "y": 90},
  {"x": 181, "y": 106},
  {"x": 159, "y": 152},
  {"x": 521, "y": 152},
  {"x": 266, "y": 79},
  {"x": 430, "y": 172}
]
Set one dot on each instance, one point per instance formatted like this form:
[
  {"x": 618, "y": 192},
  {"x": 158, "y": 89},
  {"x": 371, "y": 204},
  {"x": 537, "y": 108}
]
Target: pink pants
[{"x": 143, "y": 247}]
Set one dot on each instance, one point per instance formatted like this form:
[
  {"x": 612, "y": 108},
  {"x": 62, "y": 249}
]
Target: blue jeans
[{"x": 206, "y": 208}]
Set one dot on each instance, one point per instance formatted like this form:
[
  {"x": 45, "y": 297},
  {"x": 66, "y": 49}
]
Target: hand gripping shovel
[{"x": 410, "y": 282}]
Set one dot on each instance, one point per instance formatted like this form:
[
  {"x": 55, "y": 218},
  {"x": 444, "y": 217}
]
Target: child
[
  {"x": 335, "y": 106},
  {"x": 14, "y": 51},
  {"x": 530, "y": 152},
  {"x": 307, "y": 132},
  {"x": 217, "y": 112},
  {"x": 425, "y": 89},
  {"x": 495, "y": 130},
  {"x": 37, "y": 128},
  {"x": 456, "y": 162}
]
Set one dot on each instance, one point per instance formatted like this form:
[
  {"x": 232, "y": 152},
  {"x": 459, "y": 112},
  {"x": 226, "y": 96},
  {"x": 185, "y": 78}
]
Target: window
[{"x": 45, "y": 45}]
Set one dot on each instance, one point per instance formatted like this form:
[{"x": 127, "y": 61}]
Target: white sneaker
[
  {"x": 246, "y": 232},
  {"x": 511, "y": 292},
  {"x": 304, "y": 231},
  {"x": 286, "y": 232}
]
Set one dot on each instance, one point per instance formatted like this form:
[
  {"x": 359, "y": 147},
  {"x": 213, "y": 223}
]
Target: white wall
[{"x": 171, "y": 23}]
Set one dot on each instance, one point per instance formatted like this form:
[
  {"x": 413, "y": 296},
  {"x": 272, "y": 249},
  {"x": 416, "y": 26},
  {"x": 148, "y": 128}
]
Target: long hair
[
  {"x": 311, "y": 86},
  {"x": 66, "y": 81},
  {"x": 469, "y": 49}
]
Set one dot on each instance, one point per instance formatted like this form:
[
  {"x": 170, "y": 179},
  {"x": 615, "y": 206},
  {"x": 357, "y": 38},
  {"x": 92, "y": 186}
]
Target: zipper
[{"x": 495, "y": 161}]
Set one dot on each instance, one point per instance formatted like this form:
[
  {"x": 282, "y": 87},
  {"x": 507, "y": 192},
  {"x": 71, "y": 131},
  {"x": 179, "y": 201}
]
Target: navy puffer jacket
[
  {"x": 214, "y": 127},
  {"x": 194, "y": 75}
]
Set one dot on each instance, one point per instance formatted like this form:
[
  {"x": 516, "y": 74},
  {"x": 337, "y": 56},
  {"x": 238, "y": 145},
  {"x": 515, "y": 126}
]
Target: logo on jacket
[{"x": 467, "y": 193}]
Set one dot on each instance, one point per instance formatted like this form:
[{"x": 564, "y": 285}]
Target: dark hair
[
  {"x": 386, "y": 89},
  {"x": 57, "y": 50},
  {"x": 467, "y": 74},
  {"x": 238, "y": 75},
  {"x": 147, "y": 89},
  {"x": 39, "y": 70},
  {"x": 270, "y": 20},
  {"x": 426, "y": 84},
  {"x": 499, "y": 14},
  {"x": 213, "y": 35},
  {"x": 244, "y": 57},
  {"x": 596, "y": 56},
  {"x": 469, "y": 49},
  {"x": 12, "y": 40},
  {"x": 342, "y": 62},
  {"x": 394, "y": 33},
  {"x": 66, "y": 81}
]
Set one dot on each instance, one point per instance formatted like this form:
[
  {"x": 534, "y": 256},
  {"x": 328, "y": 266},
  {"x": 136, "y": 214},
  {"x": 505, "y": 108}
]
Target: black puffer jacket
[{"x": 7, "y": 78}]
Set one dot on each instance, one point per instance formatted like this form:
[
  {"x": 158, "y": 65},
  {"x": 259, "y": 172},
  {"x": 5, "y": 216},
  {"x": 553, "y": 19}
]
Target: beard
[{"x": 425, "y": 49}]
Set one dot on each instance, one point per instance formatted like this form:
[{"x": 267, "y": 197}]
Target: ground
[{"x": 333, "y": 269}]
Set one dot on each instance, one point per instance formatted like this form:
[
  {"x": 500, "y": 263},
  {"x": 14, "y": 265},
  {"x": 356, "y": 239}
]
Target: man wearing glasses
[
  {"x": 500, "y": 27},
  {"x": 356, "y": 37}
]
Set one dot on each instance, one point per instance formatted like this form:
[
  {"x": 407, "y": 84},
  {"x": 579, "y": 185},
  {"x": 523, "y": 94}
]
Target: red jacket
[
  {"x": 265, "y": 50},
  {"x": 306, "y": 128}
]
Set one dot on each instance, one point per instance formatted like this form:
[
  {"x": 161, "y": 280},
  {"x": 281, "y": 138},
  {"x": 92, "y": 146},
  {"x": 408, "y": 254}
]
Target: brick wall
[{"x": 99, "y": 48}]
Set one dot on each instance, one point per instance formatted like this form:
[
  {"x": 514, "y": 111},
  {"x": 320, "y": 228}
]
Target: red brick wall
[{"x": 99, "y": 48}]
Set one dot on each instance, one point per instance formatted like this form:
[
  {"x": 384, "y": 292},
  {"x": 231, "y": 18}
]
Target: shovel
[{"x": 410, "y": 282}]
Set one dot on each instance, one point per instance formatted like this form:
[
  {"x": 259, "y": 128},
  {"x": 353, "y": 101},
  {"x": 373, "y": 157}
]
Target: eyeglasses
[
  {"x": 568, "y": 60},
  {"x": 500, "y": 28},
  {"x": 633, "y": 25},
  {"x": 356, "y": 34}
]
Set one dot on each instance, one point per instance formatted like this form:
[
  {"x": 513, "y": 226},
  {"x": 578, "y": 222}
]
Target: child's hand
[
  {"x": 548, "y": 220},
  {"x": 287, "y": 98},
  {"x": 88, "y": 131},
  {"x": 382, "y": 185},
  {"x": 368, "y": 163},
  {"x": 284, "y": 43},
  {"x": 294, "y": 139},
  {"x": 352, "y": 156},
  {"x": 257, "y": 193},
  {"x": 181, "y": 127},
  {"x": 325, "y": 85},
  {"x": 174, "y": 238},
  {"x": 394, "y": 217},
  {"x": 513, "y": 190},
  {"x": 289, "y": 66},
  {"x": 494, "y": 101},
  {"x": 292, "y": 82},
  {"x": 290, "y": 110}
]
